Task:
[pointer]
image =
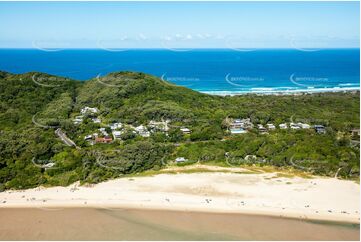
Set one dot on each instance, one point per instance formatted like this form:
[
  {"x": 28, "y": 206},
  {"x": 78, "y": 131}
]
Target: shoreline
[
  {"x": 274, "y": 91},
  {"x": 325, "y": 199},
  {"x": 295, "y": 215},
  {"x": 165, "y": 225}
]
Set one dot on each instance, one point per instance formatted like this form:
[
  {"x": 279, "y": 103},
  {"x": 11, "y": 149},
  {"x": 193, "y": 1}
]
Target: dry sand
[{"x": 264, "y": 194}]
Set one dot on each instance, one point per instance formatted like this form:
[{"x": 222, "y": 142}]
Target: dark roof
[{"x": 319, "y": 126}]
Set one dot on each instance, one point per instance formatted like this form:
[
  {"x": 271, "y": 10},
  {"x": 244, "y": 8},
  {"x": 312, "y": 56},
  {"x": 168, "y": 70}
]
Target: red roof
[{"x": 106, "y": 139}]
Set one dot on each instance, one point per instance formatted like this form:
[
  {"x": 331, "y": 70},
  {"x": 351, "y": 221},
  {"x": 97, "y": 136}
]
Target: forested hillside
[{"x": 34, "y": 105}]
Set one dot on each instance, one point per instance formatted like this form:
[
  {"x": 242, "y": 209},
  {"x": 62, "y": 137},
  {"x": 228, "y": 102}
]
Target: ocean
[{"x": 213, "y": 71}]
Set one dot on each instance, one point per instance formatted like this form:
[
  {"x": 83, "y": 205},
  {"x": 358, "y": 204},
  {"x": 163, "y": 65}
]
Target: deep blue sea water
[{"x": 220, "y": 71}]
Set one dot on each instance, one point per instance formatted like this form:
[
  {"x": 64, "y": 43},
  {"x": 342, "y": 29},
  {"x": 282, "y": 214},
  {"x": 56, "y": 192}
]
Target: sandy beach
[{"x": 218, "y": 191}]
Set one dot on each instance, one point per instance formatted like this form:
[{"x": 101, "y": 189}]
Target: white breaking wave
[{"x": 278, "y": 91}]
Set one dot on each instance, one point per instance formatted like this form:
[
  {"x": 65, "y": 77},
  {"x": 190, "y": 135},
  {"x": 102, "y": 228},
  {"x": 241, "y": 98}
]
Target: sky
[{"x": 112, "y": 25}]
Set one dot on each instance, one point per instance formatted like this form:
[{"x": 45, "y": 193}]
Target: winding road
[{"x": 65, "y": 139}]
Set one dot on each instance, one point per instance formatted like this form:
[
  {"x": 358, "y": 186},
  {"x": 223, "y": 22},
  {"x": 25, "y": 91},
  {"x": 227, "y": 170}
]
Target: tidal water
[{"x": 137, "y": 224}]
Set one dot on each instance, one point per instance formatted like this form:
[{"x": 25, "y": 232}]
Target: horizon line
[{"x": 188, "y": 48}]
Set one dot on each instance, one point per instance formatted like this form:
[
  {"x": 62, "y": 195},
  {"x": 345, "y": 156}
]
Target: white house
[
  {"x": 181, "y": 159},
  {"x": 89, "y": 110},
  {"x": 271, "y": 126},
  {"x": 117, "y": 134},
  {"x": 262, "y": 129},
  {"x": 142, "y": 131},
  {"x": 88, "y": 137},
  {"x": 304, "y": 126},
  {"x": 78, "y": 119},
  {"x": 161, "y": 126},
  {"x": 283, "y": 126},
  {"x": 185, "y": 130},
  {"x": 242, "y": 123},
  {"x": 96, "y": 120},
  {"x": 116, "y": 126},
  {"x": 102, "y": 130},
  {"x": 294, "y": 126}
]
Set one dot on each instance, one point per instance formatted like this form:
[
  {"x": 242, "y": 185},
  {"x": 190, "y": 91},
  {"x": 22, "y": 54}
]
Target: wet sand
[{"x": 137, "y": 224}]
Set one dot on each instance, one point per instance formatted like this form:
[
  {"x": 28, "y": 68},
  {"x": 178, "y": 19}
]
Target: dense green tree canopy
[{"x": 34, "y": 105}]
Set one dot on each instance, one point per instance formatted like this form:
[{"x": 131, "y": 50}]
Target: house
[
  {"x": 180, "y": 159},
  {"x": 262, "y": 129},
  {"x": 283, "y": 126},
  {"x": 142, "y": 131},
  {"x": 108, "y": 139},
  {"x": 78, "y": 120},
  {"x": 320, "y": 129},
  {"x": 102, "y": 130},
  {"x": 185, "y": 130},
  {"x": 355, "y": 132},
  {"x": 294, "y": 126},
  {"x": 88, "y": 137},
  {"x": 237, "y": 131},
  {"x": 271, "y": 126},
  {"x": 236, "y": 124},
  {"x": 96, "y": 120},
  {"x": 88, "y": 110},
  {"x": 104, "y": 140},
  {"x": 241, "y": 123},
  {"x": 246, "y": 123},
  {"x": 115, "y": 126},
  {"x": 140, "y": 128},
  {"x": 161, "y": 126},
  {"x": 303, "y": 126},
  {"x": 117, "y": 134}
]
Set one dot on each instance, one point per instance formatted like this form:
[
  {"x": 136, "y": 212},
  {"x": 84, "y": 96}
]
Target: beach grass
[{"x": 212, "y": 167}]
